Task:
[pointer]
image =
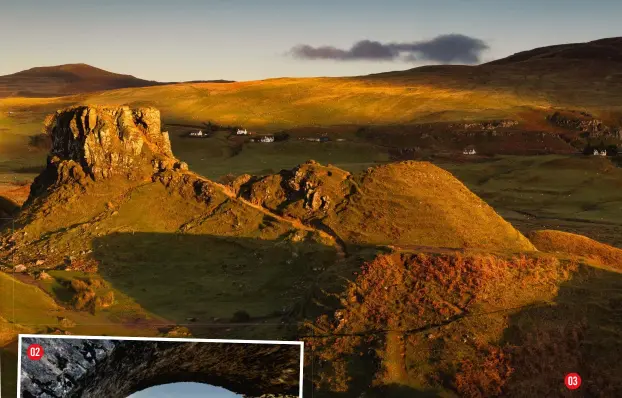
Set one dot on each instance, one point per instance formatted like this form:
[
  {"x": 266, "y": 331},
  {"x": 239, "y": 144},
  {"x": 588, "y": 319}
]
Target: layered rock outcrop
[
  {"x": 91, "y": 143},
  {"x": 118, "y": 368},
  {"x": 310, "y": 185}
]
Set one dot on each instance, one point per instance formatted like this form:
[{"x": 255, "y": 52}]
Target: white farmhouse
[
  {"x": 267, "y": 138},
  {"x": 197, "y": 133},
  {"x": 242, "y": 132},
  {"x": 469, "y": 151},
  {"x": 600, "y": 153}
]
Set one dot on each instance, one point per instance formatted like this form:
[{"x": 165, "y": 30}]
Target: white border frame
[{"x": 171, "y": 339}]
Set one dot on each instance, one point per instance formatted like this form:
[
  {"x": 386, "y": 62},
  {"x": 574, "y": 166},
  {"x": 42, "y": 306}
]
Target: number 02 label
[{"x": 35, "y": 352}]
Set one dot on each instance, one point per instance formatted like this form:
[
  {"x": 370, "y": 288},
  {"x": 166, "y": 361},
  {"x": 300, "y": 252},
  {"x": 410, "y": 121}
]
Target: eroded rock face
[
  {"x": 116, "y": 368},
  {"x": 302, "y": 183},
  {"x": 108, "y": 141},
  {"x": 91, "y": 143}
]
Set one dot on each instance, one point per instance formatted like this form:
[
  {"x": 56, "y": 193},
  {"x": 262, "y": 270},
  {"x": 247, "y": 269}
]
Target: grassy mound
[
  {"x": 407, "y": 204},
  {"x": 417, "y": 203},
  {"x": 577, "y": 245}
]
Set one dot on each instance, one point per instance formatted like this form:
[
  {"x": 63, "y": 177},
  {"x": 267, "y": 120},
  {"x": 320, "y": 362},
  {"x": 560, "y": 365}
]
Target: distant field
[
  {"x": 212, "y": 156},
  {"x": 18, "y": 160},
  {"x": 583, "y": 192},
  {"x": 574, "y": 193}
]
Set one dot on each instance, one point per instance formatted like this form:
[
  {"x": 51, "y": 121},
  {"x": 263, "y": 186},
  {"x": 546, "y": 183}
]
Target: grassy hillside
[
  {"x": 402, "y": 204},
  {"x": 577, "y": 245},
  {"x": 406, "y": 203},
  {"x": 572, "y": 193}
]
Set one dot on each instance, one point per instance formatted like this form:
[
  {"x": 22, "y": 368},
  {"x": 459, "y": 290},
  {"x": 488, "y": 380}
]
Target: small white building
[
  {"x": 469, "y": 151},
  {"x": 267, "y": 138},
  {"x": 600, "y": 153},
  {"x": 197, "y": 133},
  {"x": 241, "y": 132}
]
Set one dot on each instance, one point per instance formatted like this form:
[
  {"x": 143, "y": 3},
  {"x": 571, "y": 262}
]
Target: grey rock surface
[{"x": 117, "y": 368}]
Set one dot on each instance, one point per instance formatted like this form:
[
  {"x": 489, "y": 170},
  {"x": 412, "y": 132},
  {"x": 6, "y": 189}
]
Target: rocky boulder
[{"x": 307, "y": 191}]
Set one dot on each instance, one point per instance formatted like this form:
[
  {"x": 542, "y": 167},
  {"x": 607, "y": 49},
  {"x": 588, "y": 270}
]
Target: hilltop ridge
[{"x": 69, "y": 79}]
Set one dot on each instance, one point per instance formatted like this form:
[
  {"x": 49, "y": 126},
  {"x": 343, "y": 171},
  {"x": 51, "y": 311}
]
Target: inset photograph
[{"x": 55, "y": 366}]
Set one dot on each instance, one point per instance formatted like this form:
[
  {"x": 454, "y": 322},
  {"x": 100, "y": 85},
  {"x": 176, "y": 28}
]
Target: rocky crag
[
  {"x": 94, "y": 143},
  {"x": 101, "y": 151},
  {"x": 118, "y": 368}
]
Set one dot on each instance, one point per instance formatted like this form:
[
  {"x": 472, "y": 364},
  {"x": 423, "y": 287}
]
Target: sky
[
  {"x": 181, "y": 40},
  {"x": 184, "y": 390}
]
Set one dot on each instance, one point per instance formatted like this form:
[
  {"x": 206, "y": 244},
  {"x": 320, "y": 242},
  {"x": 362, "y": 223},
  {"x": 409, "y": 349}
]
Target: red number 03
[{"x": 572, "y": 381}]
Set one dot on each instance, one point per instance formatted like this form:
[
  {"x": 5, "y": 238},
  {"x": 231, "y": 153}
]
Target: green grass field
[
  {"x": 212, "y": 158},
  {"x": 574, "y": 193}
]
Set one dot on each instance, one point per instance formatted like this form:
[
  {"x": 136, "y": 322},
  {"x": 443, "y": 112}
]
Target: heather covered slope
[
  {"x": 406, "y": 204},
  {"x": 577, "y": 245},
  {"x": 471, "y": 326}
]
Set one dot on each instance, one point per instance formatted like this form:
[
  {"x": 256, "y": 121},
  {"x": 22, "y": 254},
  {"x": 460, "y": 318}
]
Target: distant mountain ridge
[
  {"x": 69, "y": 79},
  {"x": 608, "y": 49}
]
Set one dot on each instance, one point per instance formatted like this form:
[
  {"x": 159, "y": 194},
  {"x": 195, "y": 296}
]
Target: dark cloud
[
  {"x": 362, "y": 50},
  {"x": 452, "y": 48}
]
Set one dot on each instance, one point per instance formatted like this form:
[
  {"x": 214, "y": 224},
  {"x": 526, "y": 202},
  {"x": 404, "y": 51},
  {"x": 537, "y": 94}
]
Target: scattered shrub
[
  {"x": 241, "y": 316},
  {"x": 83, "y": 299},
  {"x": 79, "y": 285},
  {"x": 485, "y": 376},
  {"x": 105, "y": 301},
  {"x": 66, "y": 323}
]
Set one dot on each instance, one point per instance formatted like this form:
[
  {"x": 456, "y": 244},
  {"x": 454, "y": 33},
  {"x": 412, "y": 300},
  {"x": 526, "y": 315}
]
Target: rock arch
[{"x": 117, "y": 368}]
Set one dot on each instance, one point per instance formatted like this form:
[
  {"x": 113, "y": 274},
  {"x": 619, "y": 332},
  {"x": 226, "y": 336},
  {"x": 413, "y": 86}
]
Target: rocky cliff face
[
  {"x": 91, "y": 143},
  {"x": 117, "y": 368}
]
